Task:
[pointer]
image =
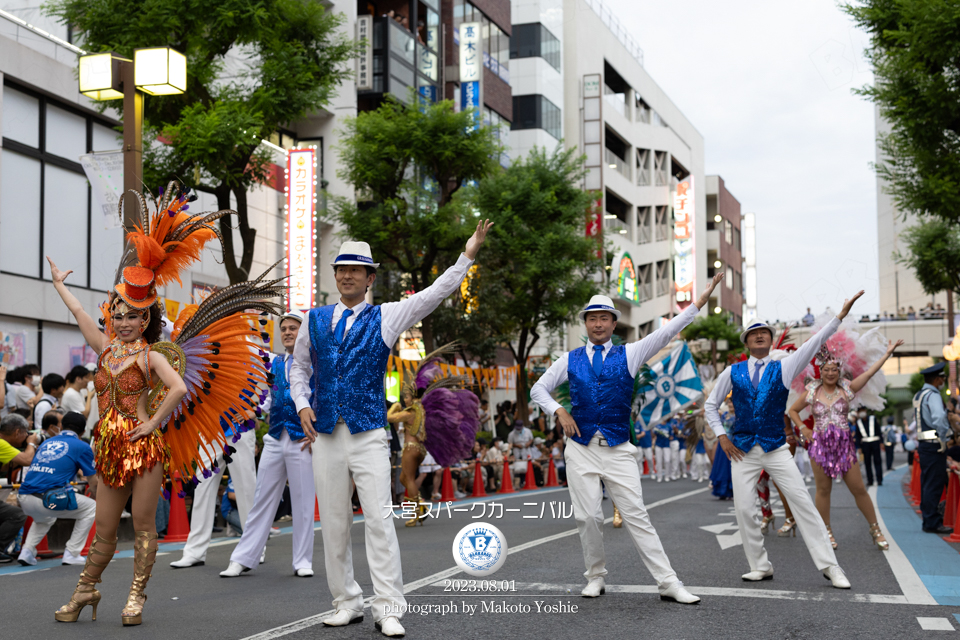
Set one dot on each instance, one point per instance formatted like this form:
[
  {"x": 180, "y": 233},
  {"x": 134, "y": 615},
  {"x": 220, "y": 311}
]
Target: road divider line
[{"x": 911, "y": 585}]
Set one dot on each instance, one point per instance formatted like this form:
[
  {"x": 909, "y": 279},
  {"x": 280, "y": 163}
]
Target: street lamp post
[{"x": 107, "y": 76}]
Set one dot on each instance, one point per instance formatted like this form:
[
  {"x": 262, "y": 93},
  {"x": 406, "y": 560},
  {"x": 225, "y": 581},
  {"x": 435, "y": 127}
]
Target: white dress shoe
[
  {"x": 390, "y": 627},
  {"x": 233, "y": 570},
  {"x": 274, "y": 531},
  {"x": 304, "y": 573},
  {"x": 185, "y": 562},
  {"x": 594, "y": 589},
  {"x": 675, "y": 591},
  {"x": 263, "y": 556},
  {"x": 343, "y": 617},
  {"x": 836, "y": 577},
  {"x": 26, "y": 557},
  {"x": 757, "y": 576},
  {"x": 69, "y": 558}
]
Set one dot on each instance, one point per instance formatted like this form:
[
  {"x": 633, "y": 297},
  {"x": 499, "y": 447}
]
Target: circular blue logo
[
  {"x": 665, "y": 386},
  {"x": 480, "y": 549},
  {"x": 54, "y": 450}
]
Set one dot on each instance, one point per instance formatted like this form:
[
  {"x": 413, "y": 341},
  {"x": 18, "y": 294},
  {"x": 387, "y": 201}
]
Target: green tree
[
  {"x": 538, "y": 268},
  {"x": 933, "y": 254},
  {"x": 408, "y": 165},
  {"x": 715, "y": 327},
  {"x": 915, "y": 52},
  {"x": 287, "y": 61}
]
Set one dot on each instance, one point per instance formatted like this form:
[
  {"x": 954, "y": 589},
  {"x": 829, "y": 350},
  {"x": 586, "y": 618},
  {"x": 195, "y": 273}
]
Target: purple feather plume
[
  {"x": 427, "y": 372},
  {"x": 446, "y": 440}
]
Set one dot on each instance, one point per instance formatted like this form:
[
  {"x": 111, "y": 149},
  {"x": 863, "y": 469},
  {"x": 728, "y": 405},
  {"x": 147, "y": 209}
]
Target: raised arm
[
  {"x": 88, "y": 326},
  {"x": 397, "y": 317},
  {"x": 642, "y": 350},
  {"x": 859, "y": 382}
]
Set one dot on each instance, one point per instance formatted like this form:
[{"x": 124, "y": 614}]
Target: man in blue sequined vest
[
  {"x": 598, "y": 446},
  {"x": 759, "y": 441},
  {"x": 337, "y": 386},
  {"x": 286, "y": 459}
]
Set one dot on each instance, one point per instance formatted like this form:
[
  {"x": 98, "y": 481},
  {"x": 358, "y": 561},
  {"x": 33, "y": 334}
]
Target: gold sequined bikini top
[{"x": 121, "y": 391}]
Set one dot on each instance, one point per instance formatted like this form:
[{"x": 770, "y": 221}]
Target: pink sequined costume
[{"x": 833, "y": 445}]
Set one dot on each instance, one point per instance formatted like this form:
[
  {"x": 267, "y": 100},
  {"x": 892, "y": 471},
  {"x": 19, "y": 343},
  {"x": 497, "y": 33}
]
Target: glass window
[
  {"x": 536, "y": 112},
  {"x": 21, "y": 117},
  {"x": 433, "y": 30},
  {"x": 20, "y": 212},
  {"x": 535, "y": 41},
  {"x": 66, "y": 134},
  {"x": 65, "y": 220}
]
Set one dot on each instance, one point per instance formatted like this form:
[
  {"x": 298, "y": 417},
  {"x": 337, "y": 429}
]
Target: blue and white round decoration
[
  {"x": 480, "y": 549},
  {"x": 676, "y": 385}
]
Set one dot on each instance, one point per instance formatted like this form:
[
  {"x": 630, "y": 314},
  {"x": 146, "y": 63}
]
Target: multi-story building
[
  {"x": 725, "y": 249},
  {"x": 749, "y": 238}
]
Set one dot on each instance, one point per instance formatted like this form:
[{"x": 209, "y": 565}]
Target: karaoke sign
[
  {"x": 300, "y": 227},
  {"x": 684, "y": 264}
]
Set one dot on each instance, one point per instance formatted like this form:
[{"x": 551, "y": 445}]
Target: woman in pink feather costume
[{"x": 832, "y": 451}]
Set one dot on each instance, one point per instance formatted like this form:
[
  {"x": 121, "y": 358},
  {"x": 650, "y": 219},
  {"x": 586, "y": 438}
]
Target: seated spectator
[
  {"x": 55, "y": 466},
  {"x": 13, "y": 434},
  {"x": 50, "y": 426},
  {"x": 75, "y": 395},
  {"x": 230, "y": 513},
  {"x": 911, "y": 314},
  {"x": 27, "y": 380},
  {"x": 556, "y": 452},
  {"x": 521, "y": 440},
  {"x": 53, "y": 385},
  {"x": 494, "y": 460}
]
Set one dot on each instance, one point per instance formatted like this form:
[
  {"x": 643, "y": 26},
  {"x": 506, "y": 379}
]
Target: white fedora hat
[
  {"x": 355, "y": 253},
  {"x": 600, "y": 303},
  {"x": 754, "y": 327},
  {"x": 293, "y": 314}
]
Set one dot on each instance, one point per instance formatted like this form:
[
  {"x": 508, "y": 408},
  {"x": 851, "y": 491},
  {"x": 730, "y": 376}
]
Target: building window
[
  {"x": 501, "y": 130},
  {"x": 728, "y": 232},
  {"x": 536, "y": 112},
  {"x": 663, "y": 224},
  {"x": 535, "y": 41},
  {"x": 729, "y": 279},
  {"x": 45, "y": 201},
  {"x": 736, "y": 239}
]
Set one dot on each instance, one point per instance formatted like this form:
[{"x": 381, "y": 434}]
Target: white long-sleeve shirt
[
  {"x": 395, "y": 318},
  {"x": 636, "y": 352},
  {"x": 790, "y": 368}
]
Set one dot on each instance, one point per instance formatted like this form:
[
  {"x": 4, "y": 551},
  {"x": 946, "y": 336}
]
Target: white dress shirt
[
  {"x": 637, "y": 353},
  {"x": 790, "y": 368},
  {"x": 395, "y": 318}
]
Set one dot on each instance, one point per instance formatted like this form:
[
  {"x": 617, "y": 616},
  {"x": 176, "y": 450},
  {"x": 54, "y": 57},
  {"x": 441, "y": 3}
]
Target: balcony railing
[
  {"x": 616, "y": 163},
  {"x": 643, "y": 177},
  {"x": 664, "y": 287},
  {"x": 644, "y": 234},
  {"x": 662, "y": 180},
  {"x": 616, "y": 225},
  {"x": 645, "y": 291},
  {"x": 663, "y": 232},
  {"x": 616, "y": 101}
]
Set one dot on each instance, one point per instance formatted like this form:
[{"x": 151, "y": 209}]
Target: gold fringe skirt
[{"x": 118, "y": 460}]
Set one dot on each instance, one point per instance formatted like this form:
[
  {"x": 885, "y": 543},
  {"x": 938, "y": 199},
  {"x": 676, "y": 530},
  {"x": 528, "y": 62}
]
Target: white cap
[
  {"x": 355, "y": 253},
  {"x": 91, "y": 367},
  {"x": 293, "y": 314},
  {"x": 538, "y": 441},
  {"x": 754, "y": 327},
  {"x": 600, "y": 303}
]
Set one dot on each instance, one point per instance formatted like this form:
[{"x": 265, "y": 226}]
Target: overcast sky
[{"x": 768, "y": 85}]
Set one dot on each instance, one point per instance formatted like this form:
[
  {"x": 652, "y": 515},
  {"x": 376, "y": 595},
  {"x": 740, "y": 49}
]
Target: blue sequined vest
[
  {"x": 759, "y": 411},
  {"x": 347, "y": 378},
  {"x": 601, "y": 402},
  {"x": 283, "y": 411}
]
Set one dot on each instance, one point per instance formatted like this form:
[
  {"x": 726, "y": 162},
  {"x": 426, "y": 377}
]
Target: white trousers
[
  {"x": 663, "y": 462},
  {"x": 701, "y": 466},
  {"x": 44, "y": 518},
  {"x": 779, "y": 464},
  {"x": 366, "y": 457},
  {"x": 674, "y": 459},
  {"x": 281, "y": 461},
  {"x": 617, "y": 467},
  {"x": 645, "y": 453},
  {"x": 205, "y": 503}
]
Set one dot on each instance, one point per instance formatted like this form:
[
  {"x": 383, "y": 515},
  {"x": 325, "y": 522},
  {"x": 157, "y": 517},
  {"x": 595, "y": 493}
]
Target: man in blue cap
[{"x": 934, "y": 427}]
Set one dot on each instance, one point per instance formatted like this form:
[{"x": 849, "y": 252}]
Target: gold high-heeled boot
[
  {"x": 144, "y": 555},
  {"x": 617, "y": 518},
  {"x": 876, "y": 534},
  {"x": 86, "y": 592}
]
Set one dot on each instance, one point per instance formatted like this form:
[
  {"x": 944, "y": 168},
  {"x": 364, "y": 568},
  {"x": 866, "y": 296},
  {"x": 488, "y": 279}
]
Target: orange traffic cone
[
  {"x": 316, "y": 510},
  {"x": 552, "y": 476},
  {"x": 646, "y": 468},
  {"x": 531, "y": 483},
  {"x": 506, "y": 480},
  {"x": 86, "y": 547},
  {"x": 178, "y": 526},
  {"x": 446, "y": 492},
  {"x": 915, "y": 481},
  {"x": 478, "y": 490},
  {"x": 950, "y": 512}
]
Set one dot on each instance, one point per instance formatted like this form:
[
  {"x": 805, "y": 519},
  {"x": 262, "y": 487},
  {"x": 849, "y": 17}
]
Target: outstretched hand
[
  {"x": 473, "y": 244},
  {"x": 848, "y": 304},
  {"x": 705, "y": 296},
  {"x": 56, "y": 274},
  {"x": 893, "y": 346}
]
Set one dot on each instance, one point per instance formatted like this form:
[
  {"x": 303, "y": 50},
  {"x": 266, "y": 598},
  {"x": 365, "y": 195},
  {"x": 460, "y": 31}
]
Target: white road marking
[
  {"x": 910, "y": 583},
  {"x": 935, "y": 624},
  {"x": 314, "y": 620},
  {"x": 729, "y": 540},
  {"x": 720, "y": 528}
]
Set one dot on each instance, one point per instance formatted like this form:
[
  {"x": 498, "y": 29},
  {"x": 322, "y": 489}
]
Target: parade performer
[
  {"x": 145, "y": 386},
  {"x": 644, "y": 449},
  {"x": 337, "y": 385},
  {"x": 436, "y": 417},
  {"x": 843, "y": 381},
  {"x": 661, "y": 444},
  {"x": 759, "y": 440},
  {"x": 284, "y": 460},
  {"x": 721, "y": 475},
  {"x": 700, "y": 466},
  {"x": 601, "y": 378}
]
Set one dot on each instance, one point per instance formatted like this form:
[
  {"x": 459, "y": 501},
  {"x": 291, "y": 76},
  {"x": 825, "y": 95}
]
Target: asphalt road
[{"x": 546, "y": 565}]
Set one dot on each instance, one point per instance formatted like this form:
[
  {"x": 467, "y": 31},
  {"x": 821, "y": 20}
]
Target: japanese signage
[
  {"x": 105, "y": 173},
  {"x": 684, "y": 264},
  {"x": 365, "y": 58},
  {"x": 300, "y": 237},
  {"x": 591, "y": 85},
  {"x": 471, "y": 69},
  {"x": 595, "y": 220},
  {"x": 627, "y": 280}
]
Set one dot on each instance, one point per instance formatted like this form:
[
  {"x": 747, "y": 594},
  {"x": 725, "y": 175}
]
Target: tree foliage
[
  {"x": 537, "y": 268},
  {"x": 715, "y": 327},
  {"x": 253, "y": 66},
  {"x": 409, "y": 166},
  {"x": 933, "y": 254},
  {"x": 915, "y": 52}
]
